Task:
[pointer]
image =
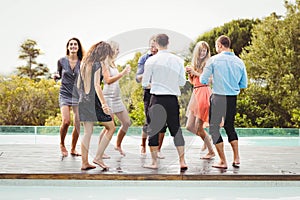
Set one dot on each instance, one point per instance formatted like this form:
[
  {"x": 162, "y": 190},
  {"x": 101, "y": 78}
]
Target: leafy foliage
[
  {"x": 26, "y": 102},
  {"x": 273, "y": 69}
]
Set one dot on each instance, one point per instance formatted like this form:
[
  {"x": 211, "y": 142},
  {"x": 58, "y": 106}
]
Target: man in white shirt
[{"x": 166, "y": 73}]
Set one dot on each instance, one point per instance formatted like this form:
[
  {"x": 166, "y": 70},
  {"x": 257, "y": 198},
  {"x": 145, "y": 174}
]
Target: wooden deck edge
[{"x": 78, "y": 176}]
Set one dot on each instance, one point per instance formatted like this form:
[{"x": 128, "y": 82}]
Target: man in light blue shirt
[
  {"x": 229, "y": 76},
  {"x": 165, "y": 72}
]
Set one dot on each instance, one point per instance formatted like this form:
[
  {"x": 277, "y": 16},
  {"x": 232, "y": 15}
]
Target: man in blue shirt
[
  {"x": 165, "y": 73},
  {"x": 229, "y": 76},
  {"x": 146, "y": 99}
]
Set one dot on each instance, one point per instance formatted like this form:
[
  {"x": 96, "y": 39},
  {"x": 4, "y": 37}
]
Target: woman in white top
[{"x": 112, "y": 95}]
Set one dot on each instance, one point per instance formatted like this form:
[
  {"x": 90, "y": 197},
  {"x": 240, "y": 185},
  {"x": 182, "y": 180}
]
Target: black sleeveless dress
[{"x": 90, "y": 108}]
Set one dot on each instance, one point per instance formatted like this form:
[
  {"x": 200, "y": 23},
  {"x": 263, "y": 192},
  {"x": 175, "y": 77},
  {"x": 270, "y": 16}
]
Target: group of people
[{"x": 161, "y": 74}]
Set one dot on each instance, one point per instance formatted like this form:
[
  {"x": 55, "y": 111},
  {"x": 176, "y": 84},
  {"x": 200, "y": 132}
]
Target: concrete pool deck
[{"x": 38, "y": 157}]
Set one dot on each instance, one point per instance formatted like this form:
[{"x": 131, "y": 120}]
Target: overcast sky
[{"x": 52, "y": 22}]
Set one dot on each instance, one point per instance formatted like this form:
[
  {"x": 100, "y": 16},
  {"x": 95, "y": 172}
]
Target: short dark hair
[
  {"x": 162, "y": 40},
  {"x": 224, "y": 40}
]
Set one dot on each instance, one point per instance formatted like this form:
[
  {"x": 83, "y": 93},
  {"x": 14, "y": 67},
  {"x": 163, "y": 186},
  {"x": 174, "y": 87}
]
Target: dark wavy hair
[{"x": 80, "y": 51}]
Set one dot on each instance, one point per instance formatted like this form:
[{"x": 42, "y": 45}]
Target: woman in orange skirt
[{"x": 198, "y": 108}]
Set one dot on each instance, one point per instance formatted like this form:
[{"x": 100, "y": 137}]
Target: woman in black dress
[
  {"x": 92, "y": 105},
  {"x": 67, "y": 71}
]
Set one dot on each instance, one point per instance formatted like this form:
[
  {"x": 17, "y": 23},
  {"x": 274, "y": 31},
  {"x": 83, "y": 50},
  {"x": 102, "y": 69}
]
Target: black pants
[
  {"x": 222, "y": 106},
  {"x": 164, "y": 109},
  {"x": 146, "y": 99}
]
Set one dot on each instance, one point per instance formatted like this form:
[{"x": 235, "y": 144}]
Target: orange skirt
[{"x": 199, "y": 104}]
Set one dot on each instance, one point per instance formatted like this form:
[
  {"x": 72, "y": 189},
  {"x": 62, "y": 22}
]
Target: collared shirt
[
  {"x": 141, "y": 64},
  {"x": 166, "y": 72},
  {"x": 228, "y": 71}
]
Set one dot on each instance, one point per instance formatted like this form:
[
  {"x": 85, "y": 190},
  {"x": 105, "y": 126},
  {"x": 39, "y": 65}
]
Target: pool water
[{"x": 148, "y": 190}]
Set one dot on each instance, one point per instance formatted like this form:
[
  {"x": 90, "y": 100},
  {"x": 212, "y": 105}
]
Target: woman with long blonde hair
[
  {"x": 112, "y": 95},
  {"x": 198, "y": 108},
  {"x": 92, "y": 105}
]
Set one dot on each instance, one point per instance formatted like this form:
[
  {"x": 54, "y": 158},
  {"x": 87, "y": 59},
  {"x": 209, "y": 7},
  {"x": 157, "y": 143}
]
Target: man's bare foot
[
  {"x": 101, "y": 164},
  {"x": 208, "y": 156},
  {"x": 236, "y": 163},
  {"x": 87, "y": 167},
  {"x": 183, "y": 167},
  {"x": 152, "y": 166},
  {"x": 63, "y": 150},
  {"x": 75, "y": 153},
  {"x": 105, "y": 156},
  {"x": 120, "y": 150}
]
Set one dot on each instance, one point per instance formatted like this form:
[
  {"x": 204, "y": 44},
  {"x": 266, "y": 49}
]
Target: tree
[
  {"x": 239, "y": 31},
  {"x": 272, "y": 63},
  {"x": 32, "y": 69}
]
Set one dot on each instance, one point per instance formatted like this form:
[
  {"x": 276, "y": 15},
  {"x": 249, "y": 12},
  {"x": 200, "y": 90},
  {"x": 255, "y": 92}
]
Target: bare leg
[
  {"x": 65, "y": 113},
  {"x": 120, "y": 137},
  {"x": 222, "y": 163},
  {"x": 76, "y": 131},
  {"x": 125, "y": 124},
  {"x": 154, "y": 164},
  {"x": 103, "y": 132},
  {"x": 191, "y": 124},
  {"x": 180, "y": 151},
  {"x": 104, "y": 143},
  {"x": 144, "y": 139},
  {"x": 206, "y": 139},
  {"x": 85, "y": 144},
  {"x": 235, "y": 149}
]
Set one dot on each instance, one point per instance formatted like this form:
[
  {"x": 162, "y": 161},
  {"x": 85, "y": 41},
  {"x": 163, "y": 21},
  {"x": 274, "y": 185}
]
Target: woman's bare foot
[
  {"x": 101, "y": 164},
  {"x": 143, "y": 150},
  {"x": 64, "y": 151},
  {"x": 208, "y": 156},
  {"x": 120, "y": 150},
  {"x": 152, "y": 166},
  {"x": 87, "y": 167},
  {"x": 204, "y": 147},
  {"x": 105, "y": 156},
  {"x": 220, "y": 165}
]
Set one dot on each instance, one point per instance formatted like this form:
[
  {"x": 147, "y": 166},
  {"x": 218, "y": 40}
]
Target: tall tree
[{"x": 29, "y": 52}]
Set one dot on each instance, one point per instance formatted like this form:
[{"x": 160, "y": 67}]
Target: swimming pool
[{"x": 148, "y": 190}]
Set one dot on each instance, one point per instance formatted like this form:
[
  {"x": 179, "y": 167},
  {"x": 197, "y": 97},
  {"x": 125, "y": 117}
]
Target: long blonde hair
[
  {"x": 197, "y": 62},
  {"x": 97, "y": 53},
  {"x": 114, "y": 46}
]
